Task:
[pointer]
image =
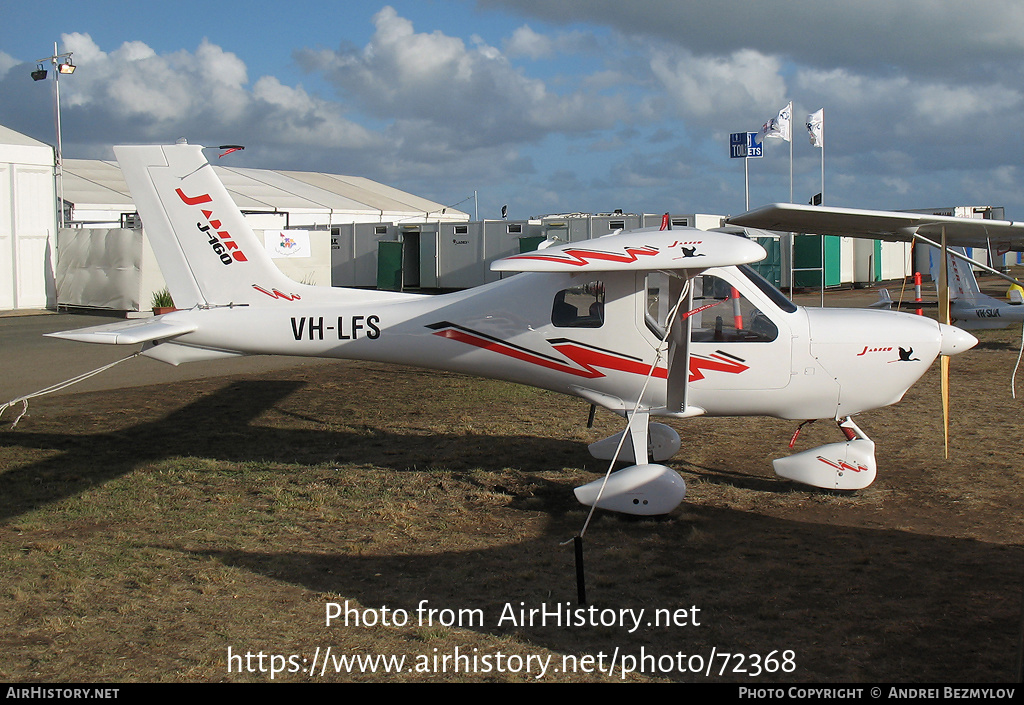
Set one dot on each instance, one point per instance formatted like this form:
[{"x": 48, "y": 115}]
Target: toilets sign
[{"x": 744, "y": 145}]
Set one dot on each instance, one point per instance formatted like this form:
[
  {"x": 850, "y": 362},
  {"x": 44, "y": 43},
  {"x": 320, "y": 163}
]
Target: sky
[{"x": 550, "y": 106}]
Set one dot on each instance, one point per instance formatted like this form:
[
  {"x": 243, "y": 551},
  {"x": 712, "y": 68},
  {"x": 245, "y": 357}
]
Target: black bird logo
[{"x": 905, "y": 355}]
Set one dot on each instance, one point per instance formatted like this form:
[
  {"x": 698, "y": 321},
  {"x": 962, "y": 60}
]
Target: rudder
[{"x": 962, "y": 282}]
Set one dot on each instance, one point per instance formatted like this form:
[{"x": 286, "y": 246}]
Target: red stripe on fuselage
[
  {"x": 715, "y": 363},
  {"x": 592, "y": 360},
  {"x": 589, "y": 360},
  {"x": 508, "y": 351}
]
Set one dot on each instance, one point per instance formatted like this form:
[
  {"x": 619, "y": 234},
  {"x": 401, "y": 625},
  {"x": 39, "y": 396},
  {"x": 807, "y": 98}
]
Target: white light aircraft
[
  {"x": 646, "y": 323},
  {"x": 969, "y": 308}
]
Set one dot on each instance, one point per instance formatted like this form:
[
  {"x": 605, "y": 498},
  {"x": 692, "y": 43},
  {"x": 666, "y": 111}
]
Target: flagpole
[
  {"x": 823, "y": 174},
  {"x": 816, "y": 126},
  {"x": 746, "y": 182},
  {"x": 790, "y": 151},
  {"x": 823, "y": 156}
]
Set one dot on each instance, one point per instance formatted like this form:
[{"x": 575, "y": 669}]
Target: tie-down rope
[{"x": 57, "y": 387}]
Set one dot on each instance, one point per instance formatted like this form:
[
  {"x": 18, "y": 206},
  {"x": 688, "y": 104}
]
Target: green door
[
  {"x": 771, "y": 266},
  {"x": 807, "y": 261},
  {"x": 529, "y": 244},
  {"x": 389, "y": 265}
]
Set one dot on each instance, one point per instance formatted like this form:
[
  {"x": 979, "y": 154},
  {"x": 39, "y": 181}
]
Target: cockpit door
[{"x": 736, "y": 336}]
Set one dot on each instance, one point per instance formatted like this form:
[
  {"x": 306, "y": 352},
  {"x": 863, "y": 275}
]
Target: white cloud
[
  {"x": 898, "y": 186},
  {"x": 926, "y": 37},
  {"x": 526, "y": 42},
  {"x": 472, "y": 96},
  {"x": 7, "y": 62},
  {"x": 298, "y": 118},
  {"x": 720, "y": 87},
  {"x": 135, "y": 81},
  {"x": 135, "y": 94},
  {"x": 622, "y": 95},
  {"x": 940, "y": 118}
]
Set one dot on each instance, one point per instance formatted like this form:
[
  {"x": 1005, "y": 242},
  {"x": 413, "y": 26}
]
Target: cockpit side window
[{"x": 579, "y": 306}]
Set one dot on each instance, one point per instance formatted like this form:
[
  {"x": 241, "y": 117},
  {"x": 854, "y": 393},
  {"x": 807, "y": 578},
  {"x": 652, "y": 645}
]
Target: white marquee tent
[
  {"x": 28, "y": 222},
  {"x": 98, "y": 195}
]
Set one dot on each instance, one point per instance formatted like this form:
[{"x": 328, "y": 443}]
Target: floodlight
[
  {"x": 39, "y": 74},
  {"x": 66, "y": 67}
]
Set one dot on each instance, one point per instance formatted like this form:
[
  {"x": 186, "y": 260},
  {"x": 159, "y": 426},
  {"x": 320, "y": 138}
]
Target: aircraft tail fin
[
  {"x": 962, "y": 282},
  {"x": 207, "y": 252}
]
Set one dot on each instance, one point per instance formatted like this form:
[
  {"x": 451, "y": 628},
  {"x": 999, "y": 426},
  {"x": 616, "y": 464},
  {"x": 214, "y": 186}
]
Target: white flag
[
  {"x": 816, "y": 126},
  {"x": 779, "y": 127}
]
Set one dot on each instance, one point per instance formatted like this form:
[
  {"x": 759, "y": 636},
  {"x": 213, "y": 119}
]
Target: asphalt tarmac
[{"x": 30, "y": 362}]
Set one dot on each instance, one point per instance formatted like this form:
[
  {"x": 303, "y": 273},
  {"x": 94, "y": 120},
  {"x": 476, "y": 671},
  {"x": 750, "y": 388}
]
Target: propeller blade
[
  {"x": 944, "y": 370},
  {"x": 944, "y": 359}
]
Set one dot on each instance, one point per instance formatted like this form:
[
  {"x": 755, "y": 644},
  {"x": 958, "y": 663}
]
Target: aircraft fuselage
[{"x": 794, "y": 363}]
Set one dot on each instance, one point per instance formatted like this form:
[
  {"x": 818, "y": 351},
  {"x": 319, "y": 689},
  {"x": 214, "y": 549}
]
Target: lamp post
[{"x": 61, "y": 64}]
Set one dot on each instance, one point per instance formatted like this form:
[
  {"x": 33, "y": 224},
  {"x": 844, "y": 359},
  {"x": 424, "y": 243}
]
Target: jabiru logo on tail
[{"x": 225, "y": 248}]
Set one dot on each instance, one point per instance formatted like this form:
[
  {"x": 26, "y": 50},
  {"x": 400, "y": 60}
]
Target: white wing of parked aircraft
[{"x": 1002, "y": 235}]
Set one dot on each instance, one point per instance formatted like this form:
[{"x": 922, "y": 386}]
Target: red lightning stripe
[
  {"x": 715, "y": 363},
  {"x": 276, "y": 294},
  {"x": 843, "y": 465},
  {"x": 579, "y": 258},
  {"x": 592, "y": 360},
  {"x": 509, "y": 351}
]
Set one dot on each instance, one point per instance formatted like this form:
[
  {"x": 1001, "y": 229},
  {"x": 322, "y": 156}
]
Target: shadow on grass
[
  {"x": 850, "y": 604},
  {"x": 218, "y": 426}
]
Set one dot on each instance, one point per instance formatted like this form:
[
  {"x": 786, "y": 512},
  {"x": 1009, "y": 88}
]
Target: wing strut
[{"x": 678, "y": 337}]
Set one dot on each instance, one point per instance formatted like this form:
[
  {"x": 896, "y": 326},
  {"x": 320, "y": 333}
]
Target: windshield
[{"x": 777, "y": 297}]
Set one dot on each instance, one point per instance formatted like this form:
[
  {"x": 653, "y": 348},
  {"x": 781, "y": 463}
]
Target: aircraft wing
[
  {"x": 883, "y": 225},
  {"x": 646, "y": 249},
  {"x": 127, "y": 332}
]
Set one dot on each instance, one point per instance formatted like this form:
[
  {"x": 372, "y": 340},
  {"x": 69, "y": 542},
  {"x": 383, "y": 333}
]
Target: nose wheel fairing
[{"x": 846, "y": 465}]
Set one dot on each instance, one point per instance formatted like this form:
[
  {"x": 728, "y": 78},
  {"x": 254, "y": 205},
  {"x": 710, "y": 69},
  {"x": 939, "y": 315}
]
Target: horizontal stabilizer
[
  {"x": 883, "y": 225},
  {"x": 908, "y": 305},
  {"x": 647, "y": 249},
  {"x": 128, "y": 332}
]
